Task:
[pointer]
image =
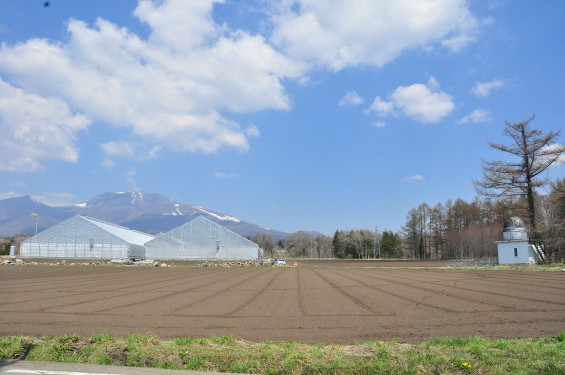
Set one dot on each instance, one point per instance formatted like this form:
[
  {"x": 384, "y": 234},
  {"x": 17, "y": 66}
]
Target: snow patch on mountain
[
  {"x": 81, "y": 205},
  {"x": 176, "y": 211},
  {"x": 219, "y": 217},
  {"x": 36, "y": 200}
]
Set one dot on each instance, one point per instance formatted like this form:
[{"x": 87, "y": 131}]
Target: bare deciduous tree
[
  {"x": 299, "y": 244},
  {"x": 533, "y": 153},
  {"x": 554, "y": 224}
]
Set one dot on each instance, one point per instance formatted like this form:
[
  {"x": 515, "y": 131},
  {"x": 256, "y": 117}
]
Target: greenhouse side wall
[
  {"x": 75, "y": 250},
  {"x": 201, "y": 239},
  {"x": 168, "y": 252}
]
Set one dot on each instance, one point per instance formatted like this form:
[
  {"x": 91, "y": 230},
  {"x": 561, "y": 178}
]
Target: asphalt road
[{"x": 13, "y": 367}]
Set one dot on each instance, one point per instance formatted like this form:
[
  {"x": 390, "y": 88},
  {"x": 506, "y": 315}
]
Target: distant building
[
  {"x": 516, "y": 247},
  {"x": 85, "y": 237},
  {"x": 202, "y": 239}
]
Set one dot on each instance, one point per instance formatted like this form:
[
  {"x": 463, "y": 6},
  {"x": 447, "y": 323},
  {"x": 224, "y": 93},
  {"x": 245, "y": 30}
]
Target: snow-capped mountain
[{"x": 147, "y": 212}]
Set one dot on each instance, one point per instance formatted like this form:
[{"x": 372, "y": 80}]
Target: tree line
[
  {"x": 452, "y": 230},
  {"x": 468, "y": 230},
  {"x": 351, "y": 244},
  {"x": 455, "y": 229},
  {"x": 459, "y": 229}
]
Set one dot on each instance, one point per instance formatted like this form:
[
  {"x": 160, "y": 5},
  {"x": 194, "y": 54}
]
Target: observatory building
[{"x": 516, "y": 247}]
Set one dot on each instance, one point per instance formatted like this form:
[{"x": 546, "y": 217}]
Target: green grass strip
[{"x": 473, "y": 355}]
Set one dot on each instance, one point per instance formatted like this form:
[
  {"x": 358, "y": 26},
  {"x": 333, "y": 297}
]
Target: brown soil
[{"x": 315, "y": 302}]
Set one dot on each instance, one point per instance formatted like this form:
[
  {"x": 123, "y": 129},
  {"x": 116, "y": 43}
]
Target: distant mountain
[{"x": 147, "y": 212}]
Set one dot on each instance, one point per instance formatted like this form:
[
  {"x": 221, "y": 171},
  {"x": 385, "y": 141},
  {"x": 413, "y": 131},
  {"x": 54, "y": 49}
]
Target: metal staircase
[{"x": 539, "y": 247}]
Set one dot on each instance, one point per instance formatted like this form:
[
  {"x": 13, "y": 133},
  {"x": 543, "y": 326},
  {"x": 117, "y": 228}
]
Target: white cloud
[
  {"x": 483, "y": 89},
  {"x": 433, "y": 83},
  {"x": 252, "y": 131},
  {"x": 176, "y": 87},
  {"x": 381, "y": 107},
  {"x": 169, "y": 89},
  {"x": 337, "y": 34},
  {"x": 9, "y": 194},
  {"x": 351, "y": 99},
  {"x": 56, "y": 199},
  {"x": 152, "y": 153},
  {"x": 51, "y": 199},
  {"x": 418, "y": 101},
  {"x": 225, "y": 176},
  {"x": 548, "y": 153},
  {"x": 477, "y": 116},
  {"x": 169, "y": 19},
  {"x": 415, "y": 178},
  {"x": 34, "y": 128},
  {"x": 128, "y": 150},
  {"x": 118, "y": 148}
]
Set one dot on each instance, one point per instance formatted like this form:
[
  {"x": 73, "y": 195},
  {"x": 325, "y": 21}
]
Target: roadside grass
[
  {"x": 552, "y": 267},
  {"x": 473, "y": 355}
]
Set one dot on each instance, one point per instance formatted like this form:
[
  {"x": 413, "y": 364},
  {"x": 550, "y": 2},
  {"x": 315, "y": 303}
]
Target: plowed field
[{"x": 315, "y": 302}]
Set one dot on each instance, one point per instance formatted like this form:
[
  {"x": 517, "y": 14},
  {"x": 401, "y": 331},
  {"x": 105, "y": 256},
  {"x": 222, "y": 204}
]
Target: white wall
[{"x": 516, "y": 252}]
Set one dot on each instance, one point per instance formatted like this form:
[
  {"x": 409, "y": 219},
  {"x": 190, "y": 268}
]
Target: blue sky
[{"x": 308, "y": 115}]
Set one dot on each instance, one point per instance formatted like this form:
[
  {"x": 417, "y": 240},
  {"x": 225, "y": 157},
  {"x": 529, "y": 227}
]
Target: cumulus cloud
[
  {"x": 418, "y": 101},
  {"x": 483, "y": 89},
  {"x": 477, "y": 116},
  {"x": 380, "y": 106},
  {"x": 351, "y": 99},
  {"x": 173, "y": 88},
  {"x": 35, "y": 128},
  {"x": 555, "y": 151},
  {"x": 337, "y": 34},
  {"x": 177, "y": 86}
]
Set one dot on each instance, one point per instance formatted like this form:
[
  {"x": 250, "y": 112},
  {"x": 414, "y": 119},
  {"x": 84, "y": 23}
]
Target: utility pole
[
  {"x": 36, "y": 220},
  {"x": 377, "y": 244}
]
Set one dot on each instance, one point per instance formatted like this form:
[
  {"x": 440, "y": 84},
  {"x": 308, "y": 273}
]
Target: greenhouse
[
  {"x": 85, "y": 237},
  {"x": 202, "y": 239}
]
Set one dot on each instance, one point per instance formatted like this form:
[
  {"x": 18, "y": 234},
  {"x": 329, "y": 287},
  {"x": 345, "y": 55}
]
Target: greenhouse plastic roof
[
  {"x": 202, "y": 231},
  {"x": 129, "y": 235}
]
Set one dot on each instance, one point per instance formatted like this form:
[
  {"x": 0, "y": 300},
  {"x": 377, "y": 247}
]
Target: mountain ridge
[{"x": 144, "y": 211}]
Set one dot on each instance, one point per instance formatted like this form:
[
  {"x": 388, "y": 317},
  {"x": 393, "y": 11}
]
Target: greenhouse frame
[
  {"x": 85, "y": 237},
  {"x": 202, "y": 239}
]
